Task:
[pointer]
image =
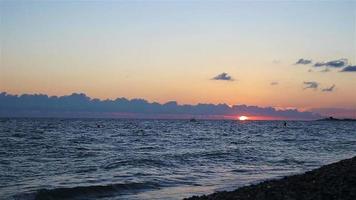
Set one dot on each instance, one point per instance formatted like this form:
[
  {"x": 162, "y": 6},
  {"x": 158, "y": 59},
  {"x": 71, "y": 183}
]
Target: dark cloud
[
  {"x": 330, "y": 89},
  {"x": 80, "y": 105},
  {"x": 274, "y": 83},
  {"x": 334, "y": 63},
  {"x": 303, "y": 61},
  {"x": 350, "y": 68},
  {"x": 319, "y": 64},
  {"x": 223, "y": 77},
  {"x": 310, "y": 84}
]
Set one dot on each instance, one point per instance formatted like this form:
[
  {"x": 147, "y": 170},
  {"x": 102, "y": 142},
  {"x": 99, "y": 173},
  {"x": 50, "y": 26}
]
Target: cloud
[
  {"x": 334, "y": 63},
  {"x": 275, "y": 61},
  {"x": 339, "y": 63},
  {"x": 223, "y": 77},
  {"x": 80, "y": 105},
  {"x": 350, "y": 68},
  {"x": 311, "y": 85},
  {"x": 330, "y": 89},
  {"x": 325, "y": 70},
  {"x": 303, "y": 61},
  {"x": 274, "y": 83}
]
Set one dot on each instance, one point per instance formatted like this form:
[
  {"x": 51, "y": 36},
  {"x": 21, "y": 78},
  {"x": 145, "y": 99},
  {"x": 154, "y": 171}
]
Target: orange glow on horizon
[{"x": 254, "y": 118}]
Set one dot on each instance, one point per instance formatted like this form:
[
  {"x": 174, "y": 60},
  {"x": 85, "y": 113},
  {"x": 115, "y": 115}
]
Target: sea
[{"x": 111, "y": 159}]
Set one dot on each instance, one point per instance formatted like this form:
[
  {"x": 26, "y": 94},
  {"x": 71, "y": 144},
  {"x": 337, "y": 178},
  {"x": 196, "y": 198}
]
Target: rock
[{"x": 335, "y": 181}]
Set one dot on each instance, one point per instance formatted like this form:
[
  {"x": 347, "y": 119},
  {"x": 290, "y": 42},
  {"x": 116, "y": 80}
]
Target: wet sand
[{"x": 336, "y": 181}]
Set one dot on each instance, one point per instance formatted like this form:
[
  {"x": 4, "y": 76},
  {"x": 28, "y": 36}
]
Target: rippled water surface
[{"x": 158, "y": 159}]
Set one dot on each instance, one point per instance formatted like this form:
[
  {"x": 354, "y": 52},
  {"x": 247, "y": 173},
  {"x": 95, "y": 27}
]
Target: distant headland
[{"x": 336, "y": 119}]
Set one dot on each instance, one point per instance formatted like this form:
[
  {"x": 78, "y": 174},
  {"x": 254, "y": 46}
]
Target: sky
[{"x": 281, "y": 54}]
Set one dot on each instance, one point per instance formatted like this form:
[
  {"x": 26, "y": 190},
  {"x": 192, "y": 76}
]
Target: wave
[
  {"x": 95, "y": 191},
  {"x": 289, "y": 161},
  {"x": 138, "y": 162}
]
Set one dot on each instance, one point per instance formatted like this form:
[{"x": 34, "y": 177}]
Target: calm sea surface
[{"x": 158, "y": 159}]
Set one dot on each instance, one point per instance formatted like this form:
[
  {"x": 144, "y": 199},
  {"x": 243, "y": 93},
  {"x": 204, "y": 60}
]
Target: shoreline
[{"x": 329, "y": 182}]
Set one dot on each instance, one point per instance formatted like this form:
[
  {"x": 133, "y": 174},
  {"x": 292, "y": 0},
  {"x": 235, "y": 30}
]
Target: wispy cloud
[
  {"x": 303, "y": 61},
  {"x": 330, "y": 89},
  {"x": 275, "y": 61},
  {"x": 310, "y": 85},
  {"x": 223, "y": 77},
  {"x": 274, "y": 83},
  {"x": 333, "y": 63},
  {"x": 325, "y": 70},
  {"x": 350, "y": 68}
]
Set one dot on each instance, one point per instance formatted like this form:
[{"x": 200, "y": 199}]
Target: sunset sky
[{"x": 233, "y": 52}]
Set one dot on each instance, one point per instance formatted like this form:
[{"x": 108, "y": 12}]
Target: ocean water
[{"x": 158, "y": 159}]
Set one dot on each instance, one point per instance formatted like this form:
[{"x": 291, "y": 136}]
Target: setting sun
[{"x": 243, "y": 118}]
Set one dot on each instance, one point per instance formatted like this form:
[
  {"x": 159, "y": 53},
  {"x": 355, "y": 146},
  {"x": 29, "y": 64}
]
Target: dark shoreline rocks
[{"x": 336, "y": 181}]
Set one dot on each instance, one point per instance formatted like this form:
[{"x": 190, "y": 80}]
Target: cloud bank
[{"x": 80, "y": 105}]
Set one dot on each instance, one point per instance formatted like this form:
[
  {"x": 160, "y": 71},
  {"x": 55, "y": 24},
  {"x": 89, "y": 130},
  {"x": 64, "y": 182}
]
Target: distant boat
[{"x": 193, "y": 120}]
